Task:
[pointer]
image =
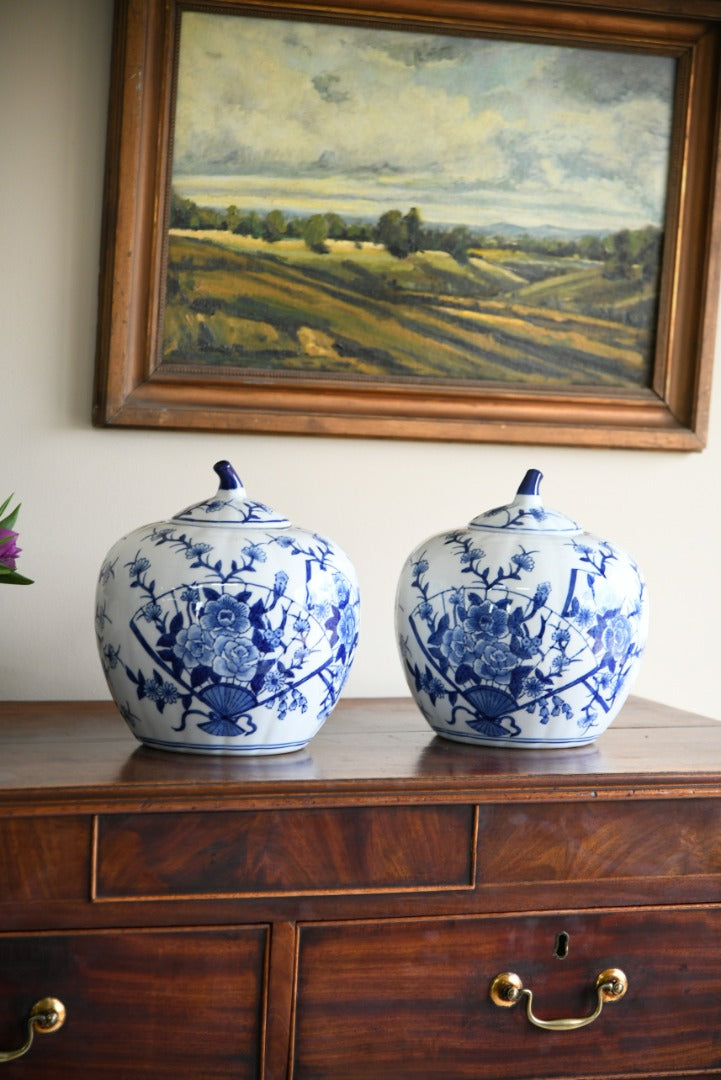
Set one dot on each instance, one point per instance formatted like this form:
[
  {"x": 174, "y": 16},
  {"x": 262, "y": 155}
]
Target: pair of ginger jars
[{"x": 227, "y": 630}]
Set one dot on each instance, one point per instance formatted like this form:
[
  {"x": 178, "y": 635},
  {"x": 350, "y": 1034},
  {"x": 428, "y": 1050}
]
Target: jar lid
[
  {"x": 526, "y": 513},
  {"x": 231, "y": 506}
]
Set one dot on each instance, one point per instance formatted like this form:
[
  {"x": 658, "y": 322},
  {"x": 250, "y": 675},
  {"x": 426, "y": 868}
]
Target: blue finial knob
[
  {"x": 229, "y": 479},
  {"x": 531, "y": 483}
]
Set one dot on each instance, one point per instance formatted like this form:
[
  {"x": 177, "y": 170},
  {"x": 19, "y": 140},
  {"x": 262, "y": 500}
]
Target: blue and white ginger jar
[
  {"x": 521, "y": 630},
  {"x": 226, "y": 630}
]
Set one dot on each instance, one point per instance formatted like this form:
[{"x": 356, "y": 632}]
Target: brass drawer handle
[
  {"x": 46, "y": 1015},
  {"x": 507, "y": 990}
]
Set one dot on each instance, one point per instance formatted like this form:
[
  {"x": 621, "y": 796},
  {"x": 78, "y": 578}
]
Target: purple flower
[{"x": 9, "y": 551}]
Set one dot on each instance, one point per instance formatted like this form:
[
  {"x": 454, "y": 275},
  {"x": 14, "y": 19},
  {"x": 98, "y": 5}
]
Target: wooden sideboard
[{"x": 342, "y": 912}]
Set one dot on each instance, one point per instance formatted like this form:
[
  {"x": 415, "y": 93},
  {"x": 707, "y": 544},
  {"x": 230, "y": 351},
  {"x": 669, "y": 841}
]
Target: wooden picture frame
[{"x": 136, "y": 386}]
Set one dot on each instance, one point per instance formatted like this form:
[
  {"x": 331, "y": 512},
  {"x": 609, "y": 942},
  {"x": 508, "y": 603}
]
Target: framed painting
[{"x": 427, "y": 219}]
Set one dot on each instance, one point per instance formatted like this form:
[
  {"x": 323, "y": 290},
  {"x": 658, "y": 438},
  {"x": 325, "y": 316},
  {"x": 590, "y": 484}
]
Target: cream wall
[{"x": 82, "y": 488}]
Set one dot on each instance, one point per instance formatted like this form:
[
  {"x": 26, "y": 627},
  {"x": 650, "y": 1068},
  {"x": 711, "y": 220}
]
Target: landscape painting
[{"x": 351, "y": 202}]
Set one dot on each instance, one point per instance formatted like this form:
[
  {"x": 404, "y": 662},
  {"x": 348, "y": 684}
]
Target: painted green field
[{"x": 233, "y": 301}]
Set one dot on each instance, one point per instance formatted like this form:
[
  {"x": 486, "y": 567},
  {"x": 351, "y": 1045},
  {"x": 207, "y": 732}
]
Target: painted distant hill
[{"x": 557, "y": 232}]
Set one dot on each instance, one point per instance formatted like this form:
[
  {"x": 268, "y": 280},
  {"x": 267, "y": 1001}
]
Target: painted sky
[{"x": 314, "y": 117}]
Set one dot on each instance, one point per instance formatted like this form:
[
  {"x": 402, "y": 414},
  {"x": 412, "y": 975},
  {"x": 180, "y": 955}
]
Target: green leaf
[
  {"x": 5, "y": 504},
  {"x": 11, "y": 577},
  {"x": 9, "y": 521}
]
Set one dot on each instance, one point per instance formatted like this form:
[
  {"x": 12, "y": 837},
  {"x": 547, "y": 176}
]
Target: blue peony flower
[
  {"x": 347, "y": 626},
  {"x": 496, "y": 662},
  {"x": 225, "y": 616},
  {"x": 235, "y": 657},
  {"x": 457, "y": 644},
  {"x": 486, "y": 619},
  {"x": 342, "y": 589},
  {"x": 193, "y": 647},
  {"x": 617, "y": 636}
]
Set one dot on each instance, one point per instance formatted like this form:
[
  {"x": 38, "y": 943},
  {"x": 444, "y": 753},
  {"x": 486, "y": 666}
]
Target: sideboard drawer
[
  {"x": 284, "y": 852},
  {"x": 140, "y": 1004},
  {"x": 410, "y": 998},
  {"x": 600, "y": 841},
  {"x": 44, "y": 859}
]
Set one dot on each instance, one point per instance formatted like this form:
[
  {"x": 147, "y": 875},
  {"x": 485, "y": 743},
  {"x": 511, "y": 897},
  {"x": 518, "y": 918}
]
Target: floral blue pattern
[
  {"x": 238, "y": 647},
  {"x": 495, "y": 651}
]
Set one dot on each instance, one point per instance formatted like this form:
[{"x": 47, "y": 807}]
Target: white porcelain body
[
  {"x": 520, "y": 630},
  {"x": 226, "y": 636}
]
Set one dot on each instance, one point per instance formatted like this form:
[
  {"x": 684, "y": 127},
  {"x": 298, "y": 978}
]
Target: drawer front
[
  {"x": 284, "y": 852},
  {"x": 45, "y": 859},
  {"x": 410, "y": 998},
  {"x": 139, "y": 1004},
  {"x": 600, "y": 841}
]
